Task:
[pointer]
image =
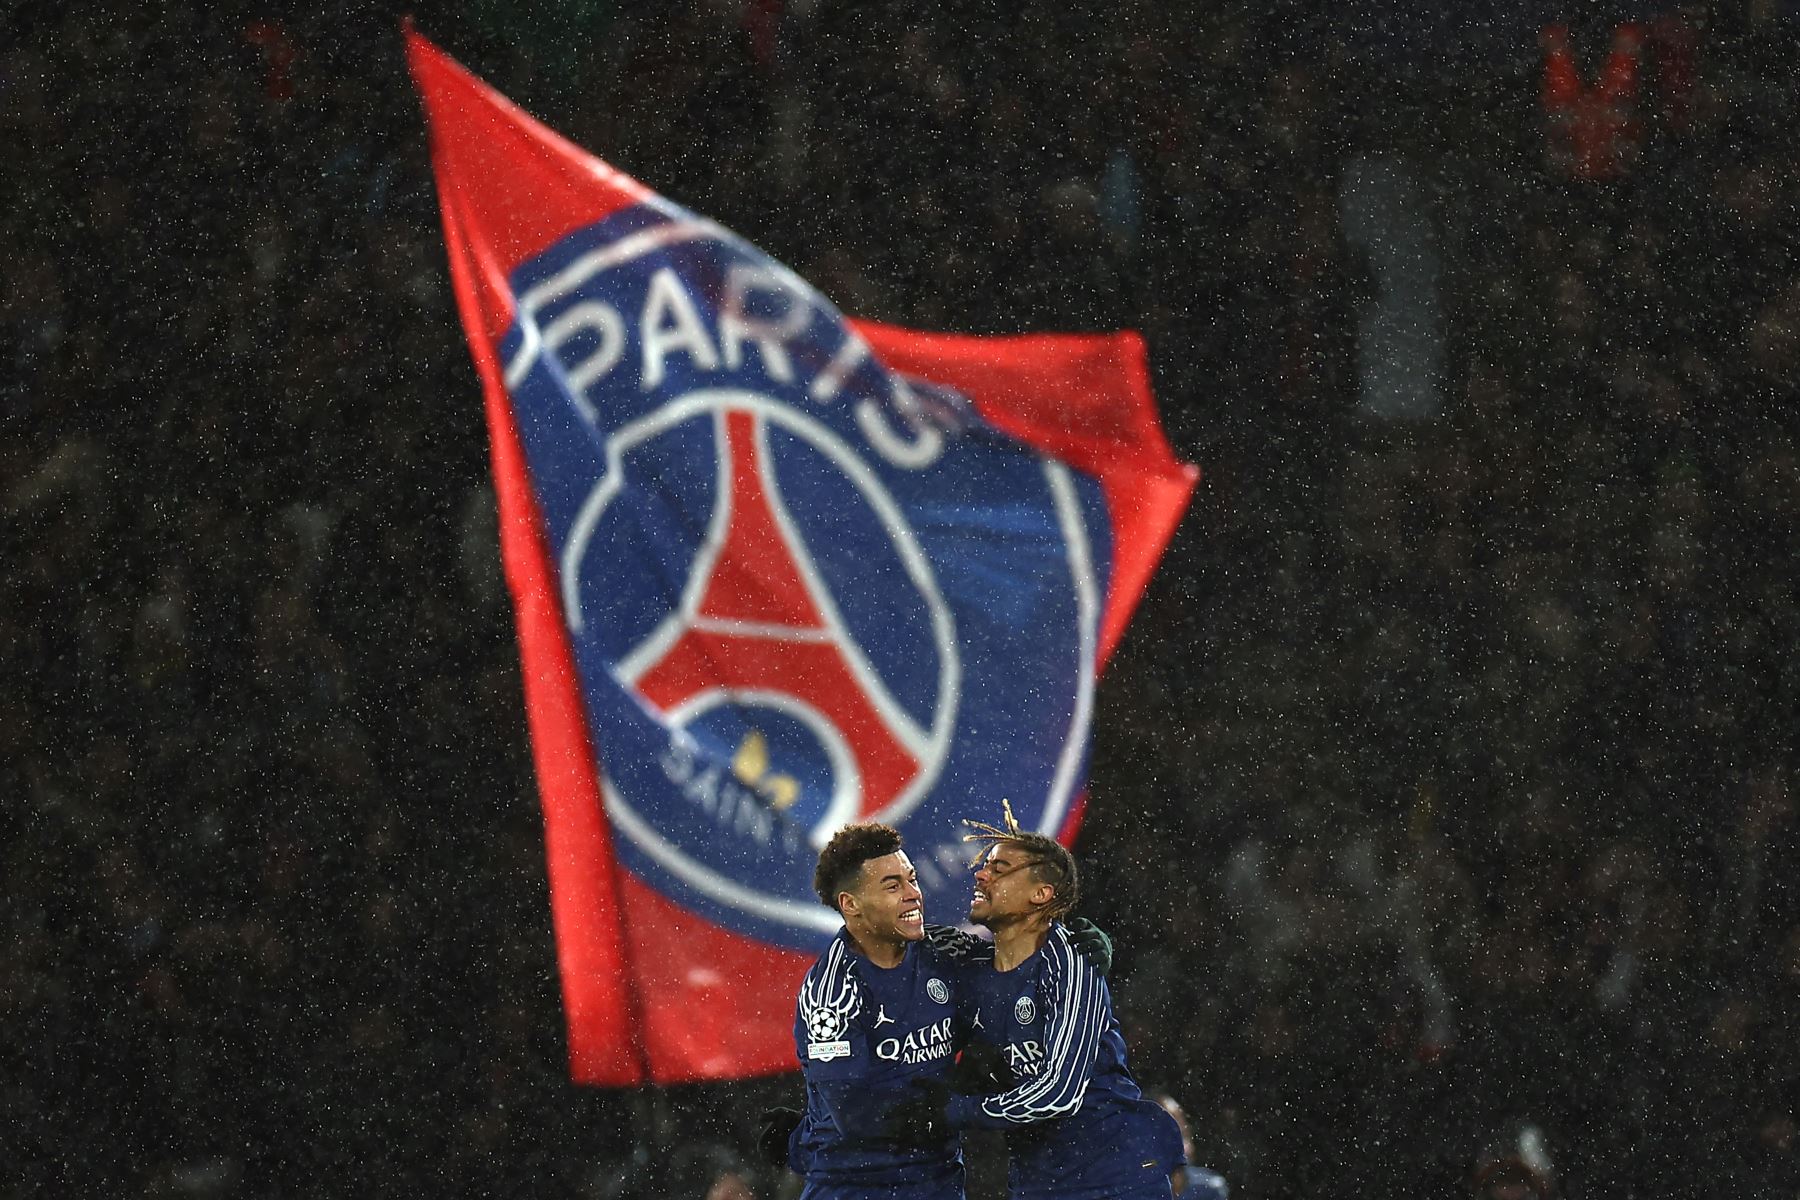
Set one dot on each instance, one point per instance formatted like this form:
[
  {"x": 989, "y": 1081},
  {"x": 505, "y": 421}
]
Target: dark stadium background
[{"x": 1445, "y": 780}]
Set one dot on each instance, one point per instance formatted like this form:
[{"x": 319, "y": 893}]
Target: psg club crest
[
  {"x": 803, "y": 589},
  {"x": 773, "y": 571}
]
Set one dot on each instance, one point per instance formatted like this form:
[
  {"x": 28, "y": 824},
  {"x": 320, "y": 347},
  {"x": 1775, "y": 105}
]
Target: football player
[
  {"x": 876, "y": 1021},
  {"x": 1077, "y": 1126}
]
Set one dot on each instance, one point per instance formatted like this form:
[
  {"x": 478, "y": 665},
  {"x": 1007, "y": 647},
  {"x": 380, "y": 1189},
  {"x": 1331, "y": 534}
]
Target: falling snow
[{"x": 1441, "y": 805}]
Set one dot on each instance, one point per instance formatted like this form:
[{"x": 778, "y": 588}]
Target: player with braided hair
[
  {"x": 877, "y": 1017},
  {"x": 1077, "y": 1126}
]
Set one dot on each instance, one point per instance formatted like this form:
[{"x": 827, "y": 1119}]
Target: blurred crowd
[{"x": 1442, "y": 791}]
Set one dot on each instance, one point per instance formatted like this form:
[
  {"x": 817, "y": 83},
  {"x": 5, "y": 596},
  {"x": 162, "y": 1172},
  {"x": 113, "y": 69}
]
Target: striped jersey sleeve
[
  {"x": 829, "y": 999},
  {"x": 1075, "y": 1017}
]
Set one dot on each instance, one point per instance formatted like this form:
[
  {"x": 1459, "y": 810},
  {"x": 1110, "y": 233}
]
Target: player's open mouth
[
  {"x": 980, "y": 896},
  {"x": 913, "y": 916}
]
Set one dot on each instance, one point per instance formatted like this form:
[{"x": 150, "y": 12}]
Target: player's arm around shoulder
[{"x": 949, "y": 944}]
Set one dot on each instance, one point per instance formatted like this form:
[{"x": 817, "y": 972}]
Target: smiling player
[
  {"x": 876, "y": 1016},
  {"x": 1077, "y": 1126},
  {"x": 877, "y": 1023}
]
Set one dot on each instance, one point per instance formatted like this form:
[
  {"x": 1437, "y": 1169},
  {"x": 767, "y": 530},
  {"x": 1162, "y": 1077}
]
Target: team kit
[{"x": 909, "y": 1033}]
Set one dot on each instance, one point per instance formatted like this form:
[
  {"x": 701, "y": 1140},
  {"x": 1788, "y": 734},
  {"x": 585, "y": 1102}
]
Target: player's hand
[
  {"x": 981, "y": 1071},
  {"x": 920, "y": 1119},
  {"x": 1092, "y": 943},
  {"x": 958, "y": 945},
  {"x": 778, "y": 1125}
]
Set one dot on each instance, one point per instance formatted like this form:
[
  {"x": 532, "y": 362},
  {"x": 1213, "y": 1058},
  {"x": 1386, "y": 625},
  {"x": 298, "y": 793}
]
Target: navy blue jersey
[
  {"x": 1077, "y": 1126},
  {"x": 864, "y": 1034}
]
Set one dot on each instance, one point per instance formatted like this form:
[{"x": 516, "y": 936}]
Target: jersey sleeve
[
  {"x": 836, "y": 1054},
  {"x": 1074, "y": 1020},
  {"x": 827, "y": 1019}
]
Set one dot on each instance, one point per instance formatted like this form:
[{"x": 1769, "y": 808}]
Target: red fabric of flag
[{"x": 671, "y": 984}]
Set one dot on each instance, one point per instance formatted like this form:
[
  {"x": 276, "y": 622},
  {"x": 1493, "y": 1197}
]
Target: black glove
[
  {"x": 1092, "y": 943},
  {"x": 921, "y": 1118},
  {"x": 778, "y": 1125},
  {"x": 981, "y": 1071}
]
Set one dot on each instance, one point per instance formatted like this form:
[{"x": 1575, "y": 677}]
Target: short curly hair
[{"x": 846, "y": 852}]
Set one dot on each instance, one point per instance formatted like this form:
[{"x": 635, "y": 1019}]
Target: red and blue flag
[{"x": 774, "y": 571}]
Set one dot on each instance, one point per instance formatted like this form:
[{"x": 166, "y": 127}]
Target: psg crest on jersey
[{"x": 803, "y": 589}]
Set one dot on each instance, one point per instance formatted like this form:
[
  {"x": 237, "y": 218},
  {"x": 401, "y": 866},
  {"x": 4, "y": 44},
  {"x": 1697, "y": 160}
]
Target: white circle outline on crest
[
  {"x": 934, "y": 746},
  {"x": 711, "y": 883}
]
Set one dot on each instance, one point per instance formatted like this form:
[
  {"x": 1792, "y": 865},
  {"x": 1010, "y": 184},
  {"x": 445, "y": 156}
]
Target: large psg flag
[{"x": 774, "y": 571}]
